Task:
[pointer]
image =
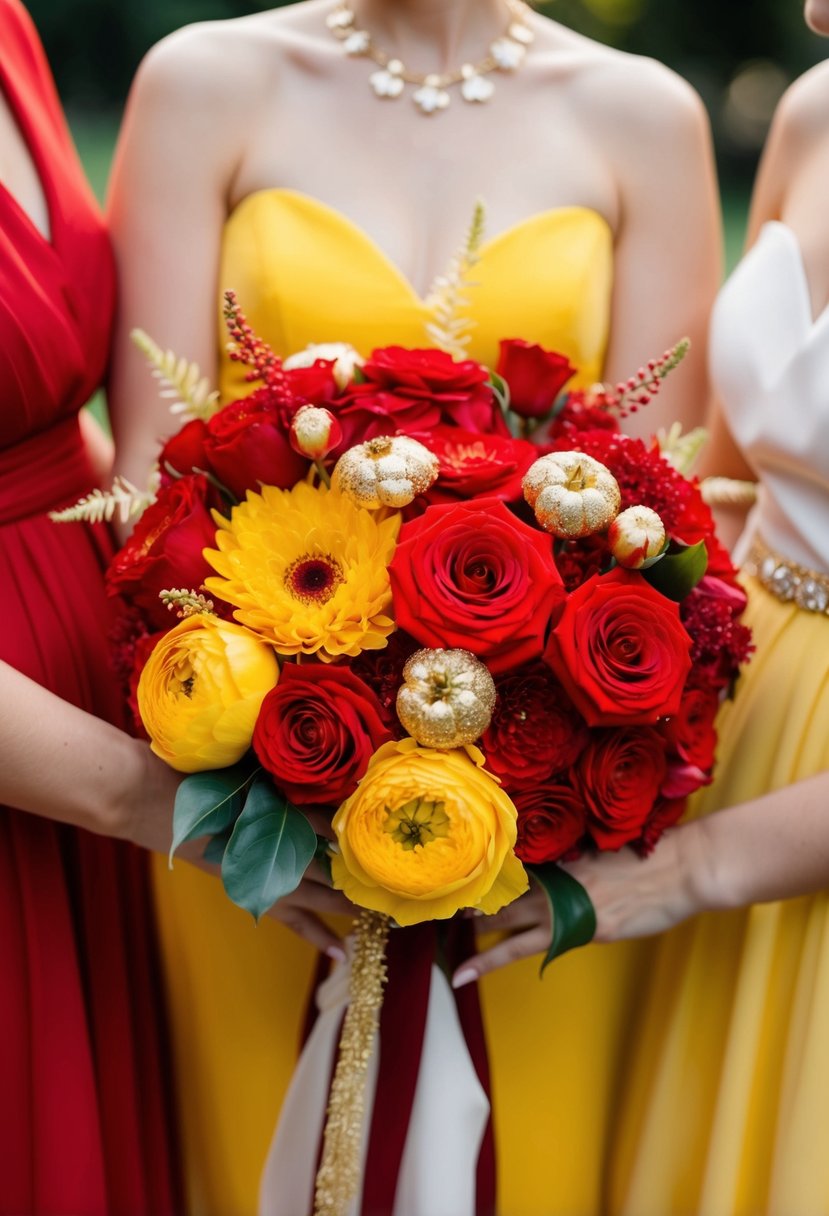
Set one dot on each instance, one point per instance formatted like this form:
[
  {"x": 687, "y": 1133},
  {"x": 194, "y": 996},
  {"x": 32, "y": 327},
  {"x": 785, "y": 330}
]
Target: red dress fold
[{"x": 85, "y": 1126}]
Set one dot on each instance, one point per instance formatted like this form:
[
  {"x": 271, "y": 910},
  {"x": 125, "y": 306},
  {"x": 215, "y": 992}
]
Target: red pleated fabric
[{"x": 85, "y": 1126}]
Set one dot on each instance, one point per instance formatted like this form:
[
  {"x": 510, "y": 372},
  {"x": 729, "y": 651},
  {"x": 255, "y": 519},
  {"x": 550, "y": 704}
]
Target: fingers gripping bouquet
[{"x": 361, "y": 591}]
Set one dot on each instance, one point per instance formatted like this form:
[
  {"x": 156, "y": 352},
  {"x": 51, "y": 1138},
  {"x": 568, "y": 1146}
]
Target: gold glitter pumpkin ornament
[
  {"x": 389, "y": 471},
  {"x": 572, "y": 494},
  {"x": 446, "y": 699}
]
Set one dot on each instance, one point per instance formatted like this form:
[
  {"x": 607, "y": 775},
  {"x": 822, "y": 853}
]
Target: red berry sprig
[
  {"x": 247, "y": 348},
  {"x": 628, "y": 396}
]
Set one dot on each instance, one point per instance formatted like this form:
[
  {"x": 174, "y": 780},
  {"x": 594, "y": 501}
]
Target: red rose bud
[
  {"x": 535, "y": 376},
  {"x": 315, "y": 432},
  {"x": 636, "y": 535}
]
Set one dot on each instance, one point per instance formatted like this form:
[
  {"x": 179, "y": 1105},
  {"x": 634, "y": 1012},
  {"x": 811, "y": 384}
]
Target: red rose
[
  {"x": 184, "y": 451},
  {"x": 620, "y": 776},
  {"x": 535, "y": 729},
  {"x": 317, "y": 731},
  {"x": 165, "y": 548},
  {"x": 444, "y": 389},
  {"x": 248, "y": 445},
  {"x": 535, "y": 376},
  {"x": 314, "y": 385},
  {"x": 471, "y": 575},
  {"x": 472, "y": 463},
  {"x": 551, "y": 822},
  {"x": 690, "y": 732},
  {"x": 620, "y": 650}
]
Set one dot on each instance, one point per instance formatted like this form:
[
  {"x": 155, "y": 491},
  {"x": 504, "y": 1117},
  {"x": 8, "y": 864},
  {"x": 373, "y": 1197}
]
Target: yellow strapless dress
[{"x": 304, "y": 273}]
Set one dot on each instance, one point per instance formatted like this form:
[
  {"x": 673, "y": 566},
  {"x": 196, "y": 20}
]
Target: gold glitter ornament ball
[
  {"x": 389, "y": 471},
  {"x": 572, "y": 494},
  {"x": 446, "y": 699}
]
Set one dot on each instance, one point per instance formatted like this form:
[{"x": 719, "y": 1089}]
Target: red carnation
[
  {"x": 551, "y": 822},
  {"x": 535, "y": 376},
  {"x": 382, "y": 670},
  {"x": 472, "y": 463},
  {"x": 471, "y": 575},
  {"x": 317, "y": 731},
  {"x": 620, "y": 775},
  {"x": 665, "y": 814},
  {"x": 620, "y": 650},
  {"x": 535, "y": 730},
  {"x": 165, "y": 548}
]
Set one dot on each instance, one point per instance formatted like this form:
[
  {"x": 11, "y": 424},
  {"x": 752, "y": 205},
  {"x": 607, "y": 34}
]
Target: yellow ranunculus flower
[
  {"x": 425, "y": 834},
  {"x": 200, "y": 692}
]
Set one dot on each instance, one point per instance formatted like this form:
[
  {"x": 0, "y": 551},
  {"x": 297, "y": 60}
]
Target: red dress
[{"x": 84, "y": 1116}]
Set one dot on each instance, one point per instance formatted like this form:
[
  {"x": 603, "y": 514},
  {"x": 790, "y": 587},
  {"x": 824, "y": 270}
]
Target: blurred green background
[{"x": 740, "y": 55}]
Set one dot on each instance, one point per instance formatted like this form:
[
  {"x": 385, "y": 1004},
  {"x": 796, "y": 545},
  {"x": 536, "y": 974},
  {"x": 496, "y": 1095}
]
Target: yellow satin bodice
[{"x": 305, "y": 273}]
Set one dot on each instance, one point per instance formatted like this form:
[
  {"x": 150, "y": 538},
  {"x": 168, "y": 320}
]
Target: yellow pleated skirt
[
  {"x": 725, "y": 1102},
  {"x": 238, "y": 996}
]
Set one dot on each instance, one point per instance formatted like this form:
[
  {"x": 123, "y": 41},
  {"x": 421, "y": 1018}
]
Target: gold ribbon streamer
[{"x": 338, "y": 1179}]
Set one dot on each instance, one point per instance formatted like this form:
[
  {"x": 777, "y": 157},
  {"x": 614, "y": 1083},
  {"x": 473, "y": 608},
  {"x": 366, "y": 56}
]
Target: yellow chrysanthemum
[
  {"x": 307, "y": 570},
  {"x": 425, "y": 834},
  {"x": 200, "y": 692}
]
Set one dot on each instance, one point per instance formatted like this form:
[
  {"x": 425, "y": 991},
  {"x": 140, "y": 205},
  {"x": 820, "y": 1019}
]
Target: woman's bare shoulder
[
  {"x": 232, "y": 58},
  {"x": 803, "y": 111}
]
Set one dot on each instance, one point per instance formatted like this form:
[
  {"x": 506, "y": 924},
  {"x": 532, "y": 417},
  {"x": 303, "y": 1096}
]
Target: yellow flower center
[
  {"x": 417, "y": 823},
  {"x": 313, "y": 579},
  {"x": 578, "y": 480}
]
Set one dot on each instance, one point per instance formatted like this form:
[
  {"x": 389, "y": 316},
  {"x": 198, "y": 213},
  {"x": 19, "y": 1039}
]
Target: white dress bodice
[{"x": 770, "y": 368}]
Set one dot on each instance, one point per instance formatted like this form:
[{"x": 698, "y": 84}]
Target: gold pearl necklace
[{"x": 431, "y": 93}]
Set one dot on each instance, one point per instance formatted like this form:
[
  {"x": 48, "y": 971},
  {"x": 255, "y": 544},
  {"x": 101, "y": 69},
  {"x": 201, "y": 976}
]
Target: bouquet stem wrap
[{"x": 338, "y": 1178}]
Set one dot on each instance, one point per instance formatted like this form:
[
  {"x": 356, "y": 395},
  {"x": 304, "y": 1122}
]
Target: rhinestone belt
[{"x": 788, "y": 581}]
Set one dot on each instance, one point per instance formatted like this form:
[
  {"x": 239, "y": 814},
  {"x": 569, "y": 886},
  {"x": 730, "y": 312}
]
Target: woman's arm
[
  {"x": 668, "y": 258},
  {"x": 774, "y": 847},
  {"x": 174, "y": 164},
  {"x": 62, "y": 763}
]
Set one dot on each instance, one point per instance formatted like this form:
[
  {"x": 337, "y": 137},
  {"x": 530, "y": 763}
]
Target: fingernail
[
  {"x": 336, "y": 953},
  {"x": 465, "y": 976}
]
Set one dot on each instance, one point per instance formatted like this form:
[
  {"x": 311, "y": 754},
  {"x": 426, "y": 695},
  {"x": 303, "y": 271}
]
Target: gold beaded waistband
[{"x": 788, "y": 581}]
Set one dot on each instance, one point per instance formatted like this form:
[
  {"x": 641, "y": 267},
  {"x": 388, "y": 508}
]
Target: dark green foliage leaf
[
  {"x": 269, "y": 851},
  {"x": 214, "y": 850},
  {"x": 676, "y": 574},
  {"x": 208, "y": 803},
  {"x": 574, "y": 917}
]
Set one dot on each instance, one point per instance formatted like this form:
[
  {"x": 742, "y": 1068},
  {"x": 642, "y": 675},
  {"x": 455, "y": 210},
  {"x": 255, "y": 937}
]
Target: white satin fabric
[
  {"x": 447, "y": 1125},
  {"x": 770, "y": 367}
]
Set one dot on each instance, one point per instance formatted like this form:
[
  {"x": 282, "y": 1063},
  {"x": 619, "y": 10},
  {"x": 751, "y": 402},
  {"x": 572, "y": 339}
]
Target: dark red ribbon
[{"x": 411, "y": 953}]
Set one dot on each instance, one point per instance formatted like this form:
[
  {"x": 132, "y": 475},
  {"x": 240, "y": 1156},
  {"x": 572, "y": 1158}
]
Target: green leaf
[
  {"x": 270, "y": 850},
  {"x": 208, "y": 803},
  {"x": 676, "y": 574},
  {"x": 500, "y": 390},
  {"x": 214, "y": 850},
  {"x": 322, "y": 856},
  {"x": 574, "y": 917}
]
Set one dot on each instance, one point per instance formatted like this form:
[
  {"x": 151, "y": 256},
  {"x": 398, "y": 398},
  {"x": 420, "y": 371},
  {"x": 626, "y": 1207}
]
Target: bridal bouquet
[{"x": 361, "y": 593}]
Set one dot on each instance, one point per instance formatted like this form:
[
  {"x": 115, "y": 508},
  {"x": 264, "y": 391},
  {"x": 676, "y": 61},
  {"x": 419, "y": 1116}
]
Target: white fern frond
[
  {"x": 728, "y": 492},
  {"x": 682, "y": 450},
  {"x": 449, "y": 329},
  {"x": 124, "y": 498},
  {"x": 182, "y": 381}
]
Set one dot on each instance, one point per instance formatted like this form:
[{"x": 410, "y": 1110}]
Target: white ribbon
[{"x": 448, "y": 1119}]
